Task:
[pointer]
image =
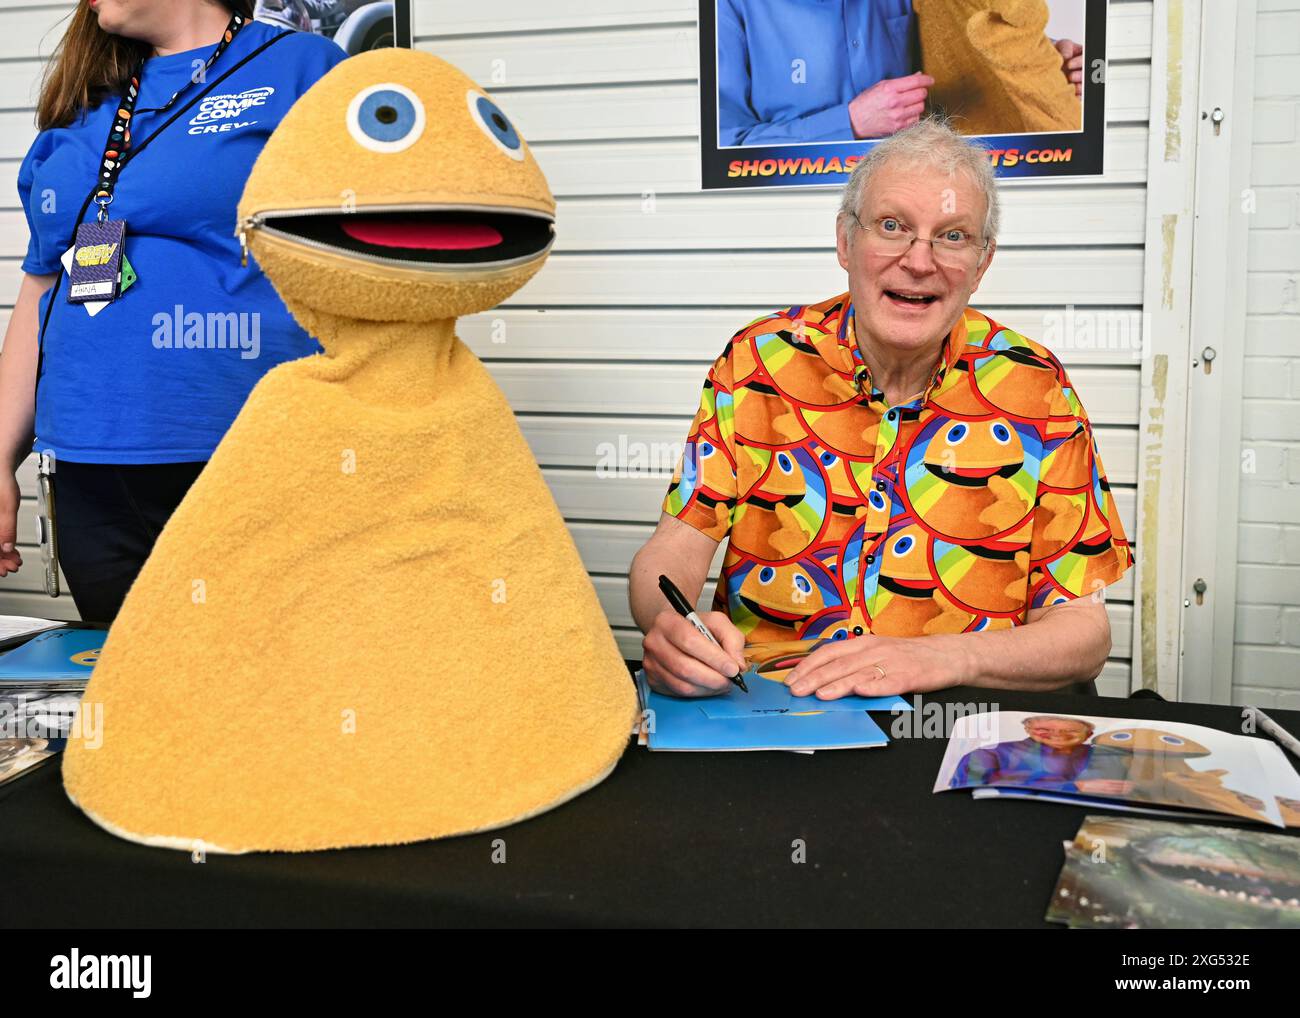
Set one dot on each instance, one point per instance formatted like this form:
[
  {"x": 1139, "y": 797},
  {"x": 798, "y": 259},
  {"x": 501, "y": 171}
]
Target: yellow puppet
[
  {"x": 367, "y": 623},
  {"x": 994, "y": 69},
  {"x": 1159, "y": 772}
]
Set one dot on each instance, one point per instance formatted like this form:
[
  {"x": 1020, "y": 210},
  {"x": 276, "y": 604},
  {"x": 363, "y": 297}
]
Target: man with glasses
[
  {"x": 895, "y": 473},
  {"x": 1054, "y": 756}
]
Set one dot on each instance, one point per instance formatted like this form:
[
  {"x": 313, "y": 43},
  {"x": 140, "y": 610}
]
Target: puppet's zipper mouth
[{"x": 522, "y": 235}]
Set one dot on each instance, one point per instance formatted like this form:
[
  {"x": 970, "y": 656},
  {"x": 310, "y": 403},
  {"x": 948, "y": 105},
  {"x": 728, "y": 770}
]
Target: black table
[{"x": 679, "y": 839}]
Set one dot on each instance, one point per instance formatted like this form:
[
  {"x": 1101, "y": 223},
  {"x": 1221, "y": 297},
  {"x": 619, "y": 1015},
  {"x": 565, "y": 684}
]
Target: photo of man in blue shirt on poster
[{"x": 798, "y": 71}]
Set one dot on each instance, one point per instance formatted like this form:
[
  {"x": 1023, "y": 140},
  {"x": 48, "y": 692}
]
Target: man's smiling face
[
  {"x": 1058, "y": 733},
  {"x": 907, "y": 302}
]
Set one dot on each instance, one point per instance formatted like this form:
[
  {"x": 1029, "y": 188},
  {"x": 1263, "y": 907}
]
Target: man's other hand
[
  {"x": 890, "y": 105},
  {"x": 1071, "y": 63}
]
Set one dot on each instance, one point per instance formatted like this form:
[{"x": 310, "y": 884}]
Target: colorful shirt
[{"x": 955, "y": 512}]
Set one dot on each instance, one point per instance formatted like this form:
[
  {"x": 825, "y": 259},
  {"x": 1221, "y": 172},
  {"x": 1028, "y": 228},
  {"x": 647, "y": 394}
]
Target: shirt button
[
  {"x": 857, "y": 630},
  {"x": 892, "y": 414},
  {"x": 870, "y": 559},
  {"x": 855, "y": 43},
  {"x": 880, "y": 485}
]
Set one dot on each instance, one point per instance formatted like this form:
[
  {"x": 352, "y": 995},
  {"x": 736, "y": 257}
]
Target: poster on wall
[
  {"x": 356, "y": 25},
  {"x": 794, "y": 92}
]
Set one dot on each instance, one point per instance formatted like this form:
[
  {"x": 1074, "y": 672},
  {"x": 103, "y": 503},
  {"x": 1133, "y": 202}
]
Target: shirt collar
[{"x": 847, "y": 343}]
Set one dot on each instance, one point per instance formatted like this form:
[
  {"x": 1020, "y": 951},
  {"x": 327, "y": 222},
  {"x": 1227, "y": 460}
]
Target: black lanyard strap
[{"x": 119, "y": 134}]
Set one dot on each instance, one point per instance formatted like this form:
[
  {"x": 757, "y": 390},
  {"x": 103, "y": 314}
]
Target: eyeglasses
[{"x": 955, "y": 249}]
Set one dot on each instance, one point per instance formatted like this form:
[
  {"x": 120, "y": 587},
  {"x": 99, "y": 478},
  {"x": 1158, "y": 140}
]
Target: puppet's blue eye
[
  {"x": 387, "y": 115},
  {"x": 495, "y": 124},
  {"x": 386, "y": 118}
]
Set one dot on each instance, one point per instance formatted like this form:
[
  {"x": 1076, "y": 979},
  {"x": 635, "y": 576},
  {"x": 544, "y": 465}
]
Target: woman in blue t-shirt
[{"x": 131, "y": 400}]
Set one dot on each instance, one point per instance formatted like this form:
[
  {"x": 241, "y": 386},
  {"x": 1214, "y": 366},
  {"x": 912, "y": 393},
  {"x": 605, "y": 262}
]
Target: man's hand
[
  {"x": 917, "y": 664},
  {"x": 10, "y": 558},
  {"x": 890, "y": 105},
  {"x": 1071, "y": 63},
  {"x": 679, "y": 661}
]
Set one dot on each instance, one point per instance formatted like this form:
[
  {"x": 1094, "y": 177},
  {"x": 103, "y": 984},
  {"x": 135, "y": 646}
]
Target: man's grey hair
[
  {"x": 1056, "y": 717},
  {"x": 930, "y": 142}
]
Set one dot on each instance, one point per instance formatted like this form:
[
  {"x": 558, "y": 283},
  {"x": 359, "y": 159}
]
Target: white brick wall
[{"x": 1266, "y": 659}]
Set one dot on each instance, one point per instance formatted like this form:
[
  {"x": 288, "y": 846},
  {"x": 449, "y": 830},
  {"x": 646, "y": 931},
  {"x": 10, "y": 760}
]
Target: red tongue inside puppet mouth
[{"x": 410, "y": 234}]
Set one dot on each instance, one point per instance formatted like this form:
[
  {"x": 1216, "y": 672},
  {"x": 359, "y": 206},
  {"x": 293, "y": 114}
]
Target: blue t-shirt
[{"x": 159, "y": 374}]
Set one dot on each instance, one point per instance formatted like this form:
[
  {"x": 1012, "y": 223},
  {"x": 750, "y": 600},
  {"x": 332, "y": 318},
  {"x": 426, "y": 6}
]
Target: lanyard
[{"x": 119, "y": 136}]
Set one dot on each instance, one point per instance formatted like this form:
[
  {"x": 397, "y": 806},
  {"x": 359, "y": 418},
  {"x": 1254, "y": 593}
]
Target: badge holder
[
  {"x": 46, "y": 522},
  {"x": 97, "y": 256}
]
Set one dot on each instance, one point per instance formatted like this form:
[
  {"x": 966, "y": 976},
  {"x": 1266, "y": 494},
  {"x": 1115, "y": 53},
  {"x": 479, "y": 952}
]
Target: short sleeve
[
  {"x": 703, "y": 489},
  {"x": 1078, "y": 544},
  {"x": 318, "y": 58},
  {"x": 42, "y": 258},
  {"x": 306, "y": 56}
]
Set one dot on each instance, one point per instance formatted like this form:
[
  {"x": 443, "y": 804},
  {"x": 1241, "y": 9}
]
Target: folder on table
[{"x": 680, "y": 724}]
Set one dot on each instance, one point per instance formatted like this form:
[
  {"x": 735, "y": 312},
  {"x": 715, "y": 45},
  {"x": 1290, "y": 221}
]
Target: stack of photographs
[
  {"x": 41, "y": 682},
  {"x": 1155, "y": 767}
]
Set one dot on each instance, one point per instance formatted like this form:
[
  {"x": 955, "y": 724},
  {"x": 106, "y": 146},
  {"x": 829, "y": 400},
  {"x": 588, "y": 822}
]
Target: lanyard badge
[
  {"x": 96, "y": 273},
  {"x": 99, "y": 271}
]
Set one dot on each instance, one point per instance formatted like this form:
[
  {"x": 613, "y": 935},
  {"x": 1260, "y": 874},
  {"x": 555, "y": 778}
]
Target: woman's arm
[{"x": 17, "y": 408}]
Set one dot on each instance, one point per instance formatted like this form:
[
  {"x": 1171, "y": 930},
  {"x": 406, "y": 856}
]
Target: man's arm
[
  {"x": 978, "y": 767},
  {"x": 678, "y": 660},
  {"x": 876, "y": 112},
  {"x": 737, "y": 122},
  {"x": 676, "y": 550},
  {"x": 1056, "y": 646}
]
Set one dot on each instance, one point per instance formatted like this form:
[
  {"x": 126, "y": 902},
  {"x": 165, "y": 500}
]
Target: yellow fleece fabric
[
  {"x": 994, "y": 69},
  {"x": 366, "y": 623}
]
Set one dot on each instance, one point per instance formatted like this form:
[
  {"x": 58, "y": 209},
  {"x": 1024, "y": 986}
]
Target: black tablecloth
[{"x": 680, "y": 839}]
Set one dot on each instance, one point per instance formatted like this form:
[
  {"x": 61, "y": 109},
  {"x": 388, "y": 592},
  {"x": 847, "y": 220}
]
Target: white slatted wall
[{"x": 608, "y": 346}]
